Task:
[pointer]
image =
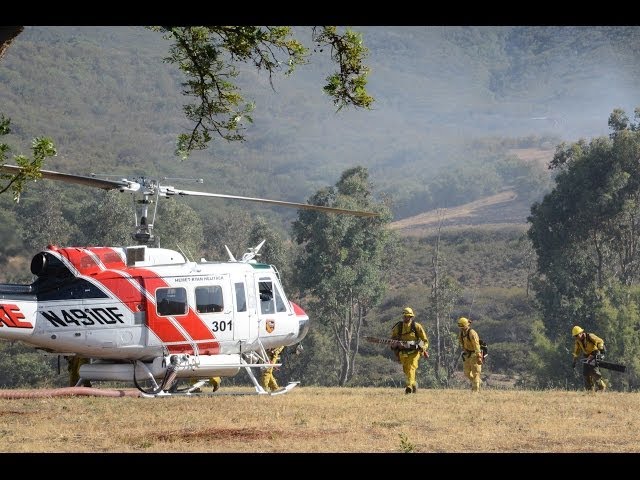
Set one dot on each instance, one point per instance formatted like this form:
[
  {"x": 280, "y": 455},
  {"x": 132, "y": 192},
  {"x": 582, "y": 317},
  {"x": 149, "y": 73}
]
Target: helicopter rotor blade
[
  {"x": 172, "y": 191},
  {"x": 122, "y": 185},
  {"x": 131, "y": 186}
]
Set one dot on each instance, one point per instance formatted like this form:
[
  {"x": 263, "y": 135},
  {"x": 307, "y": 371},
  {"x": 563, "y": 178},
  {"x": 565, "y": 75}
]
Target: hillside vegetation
[{"x": 451, "y": 102}]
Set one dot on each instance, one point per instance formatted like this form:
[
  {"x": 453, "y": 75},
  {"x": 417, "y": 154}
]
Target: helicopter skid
[{"x": 191, "y": 393}]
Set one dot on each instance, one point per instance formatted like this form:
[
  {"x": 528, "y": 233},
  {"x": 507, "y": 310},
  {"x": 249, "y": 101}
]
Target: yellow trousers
[
  {"x": 472, "y": 371},
  {"x": 409, "y": 361},
  {"x": 73, "y": 367},
  {"x": 267, "y": 379}
]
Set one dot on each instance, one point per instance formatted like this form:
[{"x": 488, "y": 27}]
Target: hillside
[
  {"x": 501, "y": 209},
  {"x": 446, "y": 100}
]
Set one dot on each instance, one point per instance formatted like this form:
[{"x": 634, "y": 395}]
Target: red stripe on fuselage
[
  {"x": 84, "y": 263},
  {"x": 112, "y": 273},
  {"x": 191, "y": 322}
]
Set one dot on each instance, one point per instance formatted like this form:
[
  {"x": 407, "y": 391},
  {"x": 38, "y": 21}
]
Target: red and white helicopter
[{"x": 148, "y": 315}]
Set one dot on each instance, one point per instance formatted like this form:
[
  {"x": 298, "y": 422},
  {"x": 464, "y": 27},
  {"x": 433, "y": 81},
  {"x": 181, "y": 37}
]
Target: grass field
[{"x": 327, "y": 420}]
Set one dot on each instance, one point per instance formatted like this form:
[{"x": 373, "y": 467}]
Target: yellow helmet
[
  {"x": 463, "y": 322},
  {"x": 576, "y": 331},
  {"x": 408, "y": 312}
]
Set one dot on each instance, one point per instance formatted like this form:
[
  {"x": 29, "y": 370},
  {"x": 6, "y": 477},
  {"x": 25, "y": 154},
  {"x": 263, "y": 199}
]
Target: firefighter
[
  {"x": 74, "y": 363},
  {"x": 267, "y": 379},
  {"x": 471, "y": 353},
  {"x": 590, "y": 345},
  {"x": 408, "y": 330},
  {"x": 215, "y": 383}
]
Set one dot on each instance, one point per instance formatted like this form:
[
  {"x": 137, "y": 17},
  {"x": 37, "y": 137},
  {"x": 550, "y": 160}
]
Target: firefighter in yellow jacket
[
  {"x": 471, "y": 353},
  {"x": 408, "y": 330},
  {"x": 268, "y": 381},
  {"x": 590, "y": 345},
  {"x": 74, "y": 362}
]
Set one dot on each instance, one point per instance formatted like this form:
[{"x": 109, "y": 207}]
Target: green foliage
[
  {"x": 317, "y": 365},
  {"x": 549, "y": 362},
  {"x": 228, "y": 227},
  {"x": 343, "y": 260},
  {"x": 44, "y": 222},
  {"x": 21, "y": 366},
  {"x": 405, "y": 445},
  {"x": 376, "y": 367},
  {"x": 347, "y": 86},
  {"x": 41, "y": 148},
  {"x": 106, "y": 219},
  {"x": 12, "y": 244},
  {"x": 618, "y": 324},
  {"x": 585, "y": 230},
  {"x": 180, "y": 228},
  {"x": 207, "y": 56}
]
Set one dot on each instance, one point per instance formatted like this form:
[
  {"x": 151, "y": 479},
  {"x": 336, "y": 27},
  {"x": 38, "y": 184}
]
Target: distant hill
[
  {"x": 452, "y": 104},
  {"x": 485, "y": 211},
  {"x": 504, "y": 208}
]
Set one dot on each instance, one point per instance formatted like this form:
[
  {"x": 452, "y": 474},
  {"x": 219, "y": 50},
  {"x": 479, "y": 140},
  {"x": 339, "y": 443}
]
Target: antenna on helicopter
[
  {"x": 247, "y": 257},
  {"x": 231, "y": 257},
  {"x": 253, "y": 252}
]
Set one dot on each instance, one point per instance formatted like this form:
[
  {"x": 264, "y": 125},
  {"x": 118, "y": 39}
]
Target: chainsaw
[{"x": 398, "y": 344}]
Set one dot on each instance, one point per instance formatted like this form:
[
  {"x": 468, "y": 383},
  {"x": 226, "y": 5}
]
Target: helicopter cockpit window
[
  {"x": 171, "y": 301},
  {"x": 241, "y": 297},
  {"x": 209, "y": 299},
  {"x": 266, "y": 297},
  {"x": 280, "y": 306}
]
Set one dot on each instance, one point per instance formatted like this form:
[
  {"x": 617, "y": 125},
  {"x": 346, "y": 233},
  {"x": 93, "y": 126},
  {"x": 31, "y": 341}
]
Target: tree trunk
[{"x": 7, "y": 34}]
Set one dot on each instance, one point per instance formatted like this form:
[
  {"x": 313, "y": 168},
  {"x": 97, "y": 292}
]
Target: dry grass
[{"x": 328, "y": 420}]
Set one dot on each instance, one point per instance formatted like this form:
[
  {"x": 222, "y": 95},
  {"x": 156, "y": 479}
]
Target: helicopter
[{"x": 148, "y": 315}]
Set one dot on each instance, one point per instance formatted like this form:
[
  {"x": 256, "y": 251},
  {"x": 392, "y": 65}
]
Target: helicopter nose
[
  {"x": 303, "y": 329},
  {"x": 303, "y": 322}
]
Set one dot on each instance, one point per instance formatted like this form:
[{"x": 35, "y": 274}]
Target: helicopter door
[
  {"x": 214, "y": 306},
  {"x": 244, "y": 299},
  {"x": 271, "y": 306}
]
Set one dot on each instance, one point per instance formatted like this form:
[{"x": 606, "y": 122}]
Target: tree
[
  {"x": 274, "y": 250},
  {"x": 44, "y": 223},
  {"x": 585, "y": 231},
  {"x": 208, "y": 56},
  {"x": 7, "y": 35},
  {"x": 112, "y": 223},
  {"x": 343, "y": 262},
  {"x": 181, "y": 229},
  {"x": 226, "y": 227}
]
